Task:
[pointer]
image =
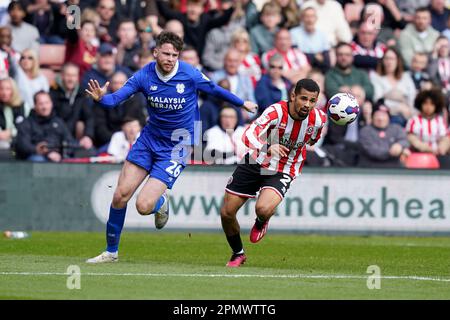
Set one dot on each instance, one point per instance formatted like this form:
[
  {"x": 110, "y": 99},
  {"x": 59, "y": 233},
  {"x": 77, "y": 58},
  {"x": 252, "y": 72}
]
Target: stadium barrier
[{"x": 45, "y": 196}]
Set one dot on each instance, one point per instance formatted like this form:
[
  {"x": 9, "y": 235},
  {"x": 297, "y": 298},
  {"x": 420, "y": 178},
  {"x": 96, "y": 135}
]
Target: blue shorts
[{"x": 159, "y": 159}]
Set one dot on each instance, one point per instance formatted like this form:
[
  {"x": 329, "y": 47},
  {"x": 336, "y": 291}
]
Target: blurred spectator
[
  {"x": 367, "y": 51},
  {"x": 251, "y": 63},
  {"x": 365, "y": 106},
  {"x": 373, "y": 15},
  {"x": 24, "y": 35},
  {"x": 262, "y": 35},
  {"x": 408, "y": 7},
  {"x": 41, "y": 136},
  {"x": 439, "y": 66},
  {"x": 439, "y": 14},
  {"x": 197, "y": 23},
  {"x": 46, "y": 16},
  {"x": 218, "y": 40},
  {"x": 145, "y": 57},
  {"x": 29, "y": 77},
  {"x": 190, "y": 55},
  {"x": 81, "y": 46},
  {"x": 136, "y": 10},
  {"x": 392, "y": 16},
  {"x": 224, "y": 140},
  {"x": 313, "y": 42},
  {"x": 105, "y": 67},
  {"x": 240, "y": 85},
  {"x": 395, "y": 86},
  {"x": 331, "y": 20},
  {"x": 319, "y": 78},
  {"x": 272, "y": 87},
  {"x": 7, "y": 54},
  {"x": 418, "y": 36},
  {"x": 418, "y": 72},
  {"x": 209, "y": 111},
  {"x": 146, "y": 35},
  {"x": 382, "y": 144},
  {"x": 344, "y": 75},
  {"x": 128, "y": 45},
  {"x": 12, "y": 110},
  {"x": 251, "y": 13},
  {"x": 289, "y": 13},
  {"x": 427, "y": 131},
  {"x": 176, "y": 27},
  {"x": 296, "y": 65},
  {"x": 72, "y": 107},
  {"x": 108, "y": 121},
  {"x": 122, "y": 141},
  {"x": 109, "y": 21}
]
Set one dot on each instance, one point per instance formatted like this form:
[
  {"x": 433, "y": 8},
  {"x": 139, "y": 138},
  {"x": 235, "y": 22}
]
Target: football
[{"x": 343, "y": 108}]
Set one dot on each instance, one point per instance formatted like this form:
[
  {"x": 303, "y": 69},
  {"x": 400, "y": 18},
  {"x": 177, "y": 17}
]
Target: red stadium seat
[
  {"x": 52, "y": 56},
  {"x": 422, "y": 160}
]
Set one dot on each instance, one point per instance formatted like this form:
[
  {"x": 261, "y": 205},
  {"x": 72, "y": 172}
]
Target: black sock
[
  {"x": 259, "y": 223},
  {"x": 235, "y": 243}
]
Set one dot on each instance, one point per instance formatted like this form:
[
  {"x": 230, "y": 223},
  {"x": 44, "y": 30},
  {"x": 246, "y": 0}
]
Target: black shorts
[{"x": 250, "y": 177}]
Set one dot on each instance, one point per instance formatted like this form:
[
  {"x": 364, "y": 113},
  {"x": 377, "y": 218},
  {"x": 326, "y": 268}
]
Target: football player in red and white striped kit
[{"x": 277, "y": 141}]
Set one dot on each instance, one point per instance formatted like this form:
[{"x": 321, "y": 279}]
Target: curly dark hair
[
  {"x": 169, "y": 37},
  {"x": 435, "y": 95}
]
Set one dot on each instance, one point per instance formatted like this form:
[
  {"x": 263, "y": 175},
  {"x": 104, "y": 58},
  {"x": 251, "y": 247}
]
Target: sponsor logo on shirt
[
  {"x": 288, "y": 143},
  {"x": 166, "y": 102},
  {"x": 153, "y": 88}
]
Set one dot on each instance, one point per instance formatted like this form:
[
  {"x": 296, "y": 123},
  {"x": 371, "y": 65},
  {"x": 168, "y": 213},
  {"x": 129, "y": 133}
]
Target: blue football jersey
[{"x": 172, "y": 100}]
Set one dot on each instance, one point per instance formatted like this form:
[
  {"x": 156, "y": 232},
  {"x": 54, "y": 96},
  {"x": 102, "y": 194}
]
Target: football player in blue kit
[{"x": 171, "y": 88}]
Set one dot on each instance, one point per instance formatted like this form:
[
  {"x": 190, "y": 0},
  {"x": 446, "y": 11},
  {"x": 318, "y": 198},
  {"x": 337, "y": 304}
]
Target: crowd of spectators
[{"x": 392, "y": 55}]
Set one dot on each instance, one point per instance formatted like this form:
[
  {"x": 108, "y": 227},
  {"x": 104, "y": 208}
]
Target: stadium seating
[
  {"x": 52, "y": 56},
  {"x": 422, "y": 160}
]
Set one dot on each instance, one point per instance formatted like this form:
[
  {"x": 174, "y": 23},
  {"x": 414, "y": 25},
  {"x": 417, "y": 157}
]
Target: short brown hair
[{"x": 171, "y": 38}]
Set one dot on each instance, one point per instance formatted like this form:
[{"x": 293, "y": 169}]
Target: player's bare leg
[
  {"x": 231, "y": 205},
  {"x": 265, "y": 207},
  {"x": 130, "y": 178},
  {"x": 154, "y": 199}
]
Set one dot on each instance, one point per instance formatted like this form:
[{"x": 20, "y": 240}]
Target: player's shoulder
[{"x": 320, "y": 116}]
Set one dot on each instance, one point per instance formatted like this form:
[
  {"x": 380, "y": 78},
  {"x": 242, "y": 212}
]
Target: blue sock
[
  {"x": 114, "y": 228},
  {"x": 158, "y": 204}
]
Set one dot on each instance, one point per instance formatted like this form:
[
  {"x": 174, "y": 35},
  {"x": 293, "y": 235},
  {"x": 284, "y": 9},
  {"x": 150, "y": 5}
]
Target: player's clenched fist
[{"x": 250, "y": 106}]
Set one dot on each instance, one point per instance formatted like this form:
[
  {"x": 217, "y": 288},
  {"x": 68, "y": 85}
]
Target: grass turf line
[{"x": 290, "y": 267}]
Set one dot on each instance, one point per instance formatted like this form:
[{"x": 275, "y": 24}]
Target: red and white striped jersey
[
  {"x": 377, "y": 52},
  {"x": 251, "y": 66},
  {"x": 428, "y": 130},
  {"x": 275, "y": 126},
  {"x": 294, "y": 59}
]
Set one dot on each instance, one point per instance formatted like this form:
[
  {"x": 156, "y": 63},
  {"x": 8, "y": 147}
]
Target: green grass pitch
[{"x": 183, "y": 265}]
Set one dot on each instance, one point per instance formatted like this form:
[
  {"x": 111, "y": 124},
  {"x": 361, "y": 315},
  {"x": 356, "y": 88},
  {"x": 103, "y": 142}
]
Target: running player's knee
[
  {"x": 263, "y": 210},
  {"x": 144, "y": 207},
  {"x": 226, "y": 213},
  {"x": 120, "y": 198}
]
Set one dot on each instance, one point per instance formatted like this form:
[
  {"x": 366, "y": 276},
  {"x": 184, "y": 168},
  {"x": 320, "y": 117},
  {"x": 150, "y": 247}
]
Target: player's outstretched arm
[{"x": 95, "y": 91}]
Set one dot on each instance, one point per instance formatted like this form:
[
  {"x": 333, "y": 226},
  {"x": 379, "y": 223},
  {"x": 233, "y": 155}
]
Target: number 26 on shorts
[{"x": 175, "y": 169}]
